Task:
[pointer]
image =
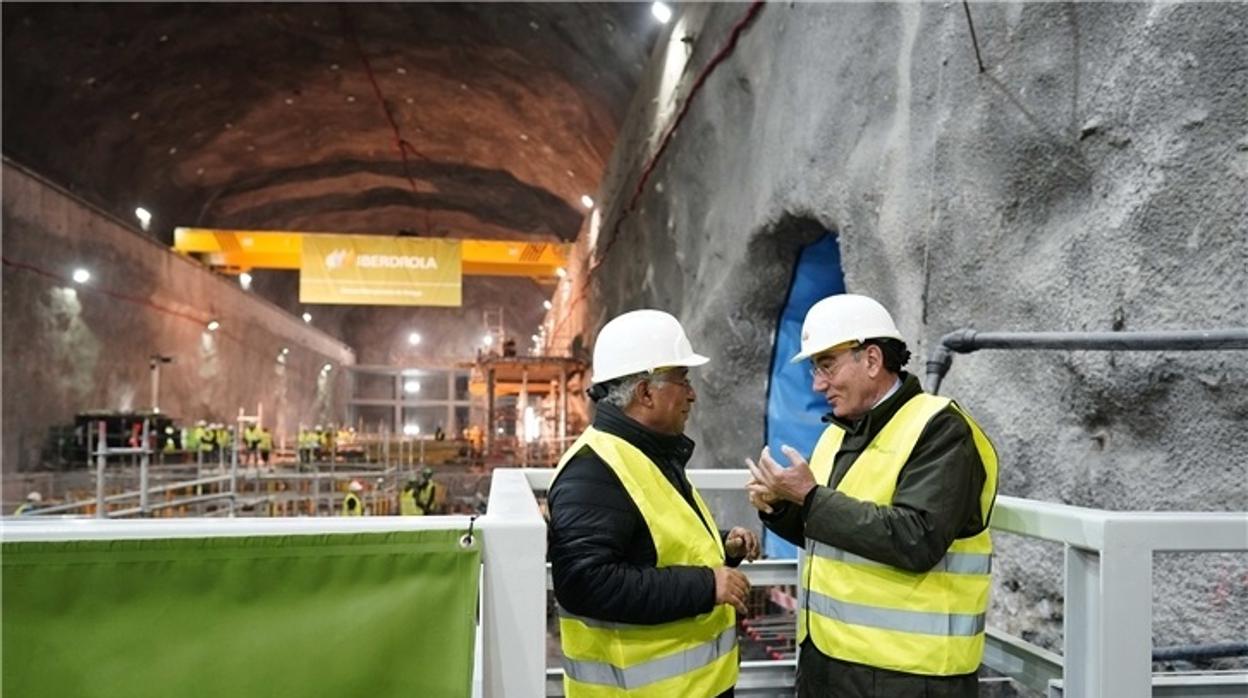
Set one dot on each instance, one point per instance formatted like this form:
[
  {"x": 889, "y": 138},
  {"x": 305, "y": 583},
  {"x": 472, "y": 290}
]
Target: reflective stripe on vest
[
  {"x": 695, "y": 656},
  {"x": 868, "y": 612}
]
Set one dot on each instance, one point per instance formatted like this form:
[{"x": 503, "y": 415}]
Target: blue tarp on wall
[{"x": 794, "y": 411}]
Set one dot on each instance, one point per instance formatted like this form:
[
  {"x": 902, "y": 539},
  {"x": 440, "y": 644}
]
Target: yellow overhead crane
[{"x": 236, "y": 251}]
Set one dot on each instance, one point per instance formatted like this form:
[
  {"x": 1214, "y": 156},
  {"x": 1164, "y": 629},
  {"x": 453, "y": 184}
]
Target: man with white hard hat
[
  {"x": 352, "y": 505},
  {"x": 645, "y": 582},
  {"x": 893, "y": 513},
  {"x": 34, "y": 500}
]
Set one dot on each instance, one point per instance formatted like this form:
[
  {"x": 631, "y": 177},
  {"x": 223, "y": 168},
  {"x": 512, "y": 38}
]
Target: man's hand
[
  {"x": 771, "y": 482},
  {"x": 732, "y": 588},
  {"x": 741, "y": 542}
]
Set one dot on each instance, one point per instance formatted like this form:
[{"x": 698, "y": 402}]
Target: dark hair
[{"x": 896, "y": 355}]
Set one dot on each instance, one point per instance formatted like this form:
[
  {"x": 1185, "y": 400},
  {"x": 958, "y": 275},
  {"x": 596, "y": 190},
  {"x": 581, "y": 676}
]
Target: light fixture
[
  {"x": 411, "y": 387},
  {"x": 144, "y": 216},
  {"x": 411, "y": 429},
  {"x": 536, "y": 339},
  {"x": 661, "y": 12},
  {"x": 488, "y": 340},
  {"x": 244, "y": 280},
  {"x": 561, "y": 272},
  {"x": 307, "y": 317},
  {"x": 327, "y": 368},
  {"x": 281, "y": 358},
  {"x": 587, "y": 201},
  {"x": 285, "y": 351},
  {"x": 81, "y": 276},
  {"x": 547, "y": 305},
  {"x": 413, "y": 338},
  {"x": 213, "y": 325}
]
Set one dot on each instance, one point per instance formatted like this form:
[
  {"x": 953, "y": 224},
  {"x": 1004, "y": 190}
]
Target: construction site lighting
[
  {"x": 307, "y": 317},
  {"x": 587, "y": 201},
  {"x": 144, "y": 216},
  {"x": 661, "y": 12},
  {"x": 244, "y": 280},
  {"x": 285, "y": 351},
  {"x": 536, "y": 339},
  {"x": 411, "y": 387},
  {"x": 561, "y": 272},
  {"x": 547, "y": 305},
  {"x": 413, "y": 338},
  {"x": 488, "y": 340},
  {"x": 327, "y": 368},
  {"x": 411, "y": 429},
  {"x": 81, "y": 276},
  {"x": 213, "y": 325}
]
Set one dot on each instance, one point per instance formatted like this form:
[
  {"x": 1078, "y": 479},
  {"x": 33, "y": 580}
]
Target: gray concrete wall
[
  {"x": 70, "y": 348},
  {"x": 1093, "y": 178}
]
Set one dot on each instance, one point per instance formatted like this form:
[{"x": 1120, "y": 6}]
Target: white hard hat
[
  {"x": 846, "y": 317},
  {"x": 641, "y": 340},
  {"x": 34, "y": 497},
  {"x": 356, "y": 486}
]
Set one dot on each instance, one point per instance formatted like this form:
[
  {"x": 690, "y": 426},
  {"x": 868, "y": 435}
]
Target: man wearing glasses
[
  {"x": 645, "y": 582},
  {"x": 892, "y": 512}
]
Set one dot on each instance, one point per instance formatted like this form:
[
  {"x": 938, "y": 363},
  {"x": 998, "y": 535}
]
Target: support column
[{"x": 489, "y": 409}]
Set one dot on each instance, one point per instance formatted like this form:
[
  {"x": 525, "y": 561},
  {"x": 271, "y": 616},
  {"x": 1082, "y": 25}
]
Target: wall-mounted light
[
  {"x": 244, "y": 280},
  {"x": 661, "y": 12},
  {"x": 547, "y": 305},
  {"x": 144, "y": 216},
  {"x": 587, "y": 201},
  {"x": 307, "y": 317},
  {"x": 561, "y": 272},
  {"x": 81, "y": 276},
  {"x": 413, "y": 338},
  {"x": 327, "y": 368},
  {"x": 213, "y": 325},
  {"x": 488, "y": 340}
]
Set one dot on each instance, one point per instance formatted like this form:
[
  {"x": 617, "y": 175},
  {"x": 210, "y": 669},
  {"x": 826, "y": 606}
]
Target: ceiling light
[
  {"x": 81, "y": 276},
  {"x": 307, "y": 317},
  {"x": 661, "y": 12},
  {"x": 213, "y": 325},
  {"x": 561, "y": 272},
  {"x": 411, "y": 387},
  {"x": 244, "y": 280},
  {"x": 586, "y": 201},
  {"x": 413, "y": 338},
  {"x": 145, "y": 218},
  {"x": 547, "y": 305}
]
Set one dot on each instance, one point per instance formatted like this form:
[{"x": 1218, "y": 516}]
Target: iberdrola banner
[
  {"x": 384, "y": 615},
  {"x": 380, "y": 270}
]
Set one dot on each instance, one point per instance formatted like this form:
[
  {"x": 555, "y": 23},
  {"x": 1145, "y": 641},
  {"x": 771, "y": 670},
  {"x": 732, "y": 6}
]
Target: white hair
[{"x": 621, "y": 394}]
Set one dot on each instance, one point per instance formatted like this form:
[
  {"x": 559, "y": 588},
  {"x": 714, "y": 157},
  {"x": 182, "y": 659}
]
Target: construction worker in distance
[
  {"x": 33, "y": 502},
  {"x": 265, "y": 445},
  {"x": 645, "y": 582},
  {"x": 170, "y": 443},
  {"x": 352, "y": 505},
  {"x": 420, "y": 496},
  {"x": 251, "y": 439},
  {"x": 892, "y": 510},
  {"x": 208, "y": 440},
  {"x": 193, "y": 435}
]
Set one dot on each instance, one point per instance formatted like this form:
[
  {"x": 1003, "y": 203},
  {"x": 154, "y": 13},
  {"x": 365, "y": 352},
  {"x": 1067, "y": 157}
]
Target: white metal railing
[
  {"x": 1108, "y": 589},
  {"x": 1108, "y": 626}
]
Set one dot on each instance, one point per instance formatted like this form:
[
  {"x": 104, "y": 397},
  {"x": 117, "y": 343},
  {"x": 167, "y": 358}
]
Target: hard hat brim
[{"x": 688, "y": 362}]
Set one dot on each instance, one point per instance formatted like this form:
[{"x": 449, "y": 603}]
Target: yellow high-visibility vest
[
  {"x": 863, "y": 611},
  {"x": 692, "y": 657},
  {"x": 348, "y": 510},
  {"x": 407, "y": 504}
]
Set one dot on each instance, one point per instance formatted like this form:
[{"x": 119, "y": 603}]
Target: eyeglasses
[
  {"x": 669, "y": 375},
  {"x": 827, "y": 366}
]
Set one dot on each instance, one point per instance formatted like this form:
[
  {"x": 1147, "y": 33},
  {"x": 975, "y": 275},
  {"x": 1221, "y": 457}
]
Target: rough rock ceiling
[{"x": 290, "y": 116}]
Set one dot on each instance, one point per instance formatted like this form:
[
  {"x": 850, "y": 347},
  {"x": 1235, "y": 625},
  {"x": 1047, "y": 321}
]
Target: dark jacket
[
  {"x": 601, "y": 553},
  {"x": 936, "y": 501}
]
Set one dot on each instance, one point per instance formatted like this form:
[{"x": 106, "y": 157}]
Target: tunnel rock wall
[
  {"x": 72, "y": 348},
  {"x": 1093, "y": 177}
]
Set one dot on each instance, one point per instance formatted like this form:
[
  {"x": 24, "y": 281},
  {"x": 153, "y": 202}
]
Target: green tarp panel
[{"x": 367, "y": 614}]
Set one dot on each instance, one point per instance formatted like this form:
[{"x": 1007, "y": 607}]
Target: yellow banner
[{"x": 375, "y": 270}]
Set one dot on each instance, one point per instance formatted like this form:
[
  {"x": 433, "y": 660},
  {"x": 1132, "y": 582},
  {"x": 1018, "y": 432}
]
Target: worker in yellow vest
[
  {"x": 352, "y": 505},
  {"x": 265, "y": 443},
  {"x": 893, "y": 512},
  {"x": 420, "y": 496},
  {"x": 645, "y": 582},
  {"x": 251, "y": 440}
]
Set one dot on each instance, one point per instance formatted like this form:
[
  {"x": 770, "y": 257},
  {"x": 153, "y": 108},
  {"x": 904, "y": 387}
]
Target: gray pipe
[
  {"x": 1200, "y": 652},
  {"x": 966, "y": 341}
]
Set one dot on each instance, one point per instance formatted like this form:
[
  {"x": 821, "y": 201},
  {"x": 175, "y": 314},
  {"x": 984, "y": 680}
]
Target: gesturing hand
[
  {"x": 771, "y": 482},
  {"x": 731, "y": 587},
  {"x": 741, "y": 542}
]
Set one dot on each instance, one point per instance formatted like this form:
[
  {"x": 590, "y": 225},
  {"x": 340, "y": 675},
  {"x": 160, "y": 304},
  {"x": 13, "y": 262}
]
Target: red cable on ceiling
[{"x": 720, "y": 56}]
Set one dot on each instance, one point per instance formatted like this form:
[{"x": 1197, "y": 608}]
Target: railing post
[
  {"x": 101, "y": 445},
  {"x": 145, "y": 461}
]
